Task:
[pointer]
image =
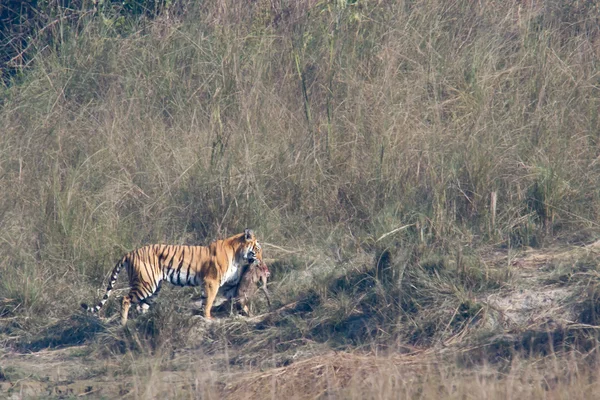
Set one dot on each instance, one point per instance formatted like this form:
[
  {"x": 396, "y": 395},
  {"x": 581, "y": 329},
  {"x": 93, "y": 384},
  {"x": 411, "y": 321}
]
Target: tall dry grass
[{"x": 322, "y": 125}]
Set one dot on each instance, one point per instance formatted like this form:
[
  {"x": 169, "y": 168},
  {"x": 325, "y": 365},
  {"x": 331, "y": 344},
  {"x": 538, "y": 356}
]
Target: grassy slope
[{"x": 324, "y": 127}]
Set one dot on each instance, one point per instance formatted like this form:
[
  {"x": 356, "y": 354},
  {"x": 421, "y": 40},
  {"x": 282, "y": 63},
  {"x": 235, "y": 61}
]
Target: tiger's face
[{"x": 251, "y": 249}]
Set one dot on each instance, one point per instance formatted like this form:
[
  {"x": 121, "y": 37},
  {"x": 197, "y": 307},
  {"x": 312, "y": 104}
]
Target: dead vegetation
[
  {"x": 422, "y": 174},
  {"x": 534, "y": 333}
]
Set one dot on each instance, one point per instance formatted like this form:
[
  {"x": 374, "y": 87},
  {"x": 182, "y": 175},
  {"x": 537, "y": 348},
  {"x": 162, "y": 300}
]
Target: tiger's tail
[{"x": 111, "y": 285}]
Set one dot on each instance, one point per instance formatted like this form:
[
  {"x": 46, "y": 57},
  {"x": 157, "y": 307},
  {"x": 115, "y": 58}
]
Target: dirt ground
[{"x": 540, "y": 294}]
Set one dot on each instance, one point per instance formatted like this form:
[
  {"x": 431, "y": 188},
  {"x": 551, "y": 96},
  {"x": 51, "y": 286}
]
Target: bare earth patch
[{"x": 536, "y": 294}]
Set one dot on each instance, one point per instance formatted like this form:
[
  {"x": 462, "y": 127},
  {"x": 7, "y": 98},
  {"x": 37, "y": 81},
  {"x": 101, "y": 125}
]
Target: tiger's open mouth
[{"x": 251, "y": 257}]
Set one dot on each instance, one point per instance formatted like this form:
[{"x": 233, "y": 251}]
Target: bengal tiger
[{"x": 218, "y": 264}]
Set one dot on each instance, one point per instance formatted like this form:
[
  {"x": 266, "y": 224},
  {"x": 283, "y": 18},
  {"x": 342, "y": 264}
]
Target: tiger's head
[{"x": 251, "y": 250}]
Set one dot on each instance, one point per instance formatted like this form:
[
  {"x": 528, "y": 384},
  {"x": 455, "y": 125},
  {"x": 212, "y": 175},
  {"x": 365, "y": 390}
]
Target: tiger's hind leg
[
  {"x": 143, "y": 306},
  {"x": 141, "y": 302},
  {"x": 125, "y": 308},
  {"x": 128, "y": 300}
]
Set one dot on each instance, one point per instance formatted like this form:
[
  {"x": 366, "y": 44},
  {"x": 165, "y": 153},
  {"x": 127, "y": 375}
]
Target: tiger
[{"x": 218, "y": 265}]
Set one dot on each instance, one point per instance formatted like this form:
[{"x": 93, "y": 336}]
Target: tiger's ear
[{"x": 248, "y": 234}]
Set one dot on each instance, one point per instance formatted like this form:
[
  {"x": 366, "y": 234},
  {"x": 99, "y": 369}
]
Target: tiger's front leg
[{"x": 210, "y": 288}]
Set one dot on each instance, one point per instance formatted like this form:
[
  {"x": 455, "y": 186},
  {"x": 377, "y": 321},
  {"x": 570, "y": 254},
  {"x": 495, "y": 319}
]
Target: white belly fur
[{"x": 232, "y": 275}]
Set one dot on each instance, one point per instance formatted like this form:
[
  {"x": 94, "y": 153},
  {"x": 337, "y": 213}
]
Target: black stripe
[
  {"x": 143, "y": 280},
  {"x": 148, "y": 273},
  {"x": 169, "y": 261},
  {"x": 153, "y": 282},
  {"x": 140, "y": 298},
  {"x": 187, "y": 280},
  {"x": 163, "y": 261},
  {"x": 163, "y": 254},
  {"x": 192, "y": 262},
  {"x": 180, "y": 266},
  {"x": 155, "y": 269},
  {"x": 170, "y": 265}
]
